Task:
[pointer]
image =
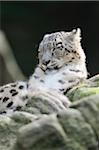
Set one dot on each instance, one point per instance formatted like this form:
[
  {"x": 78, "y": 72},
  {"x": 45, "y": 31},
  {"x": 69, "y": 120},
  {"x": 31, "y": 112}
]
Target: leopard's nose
[{"x": 46, "y": 62}]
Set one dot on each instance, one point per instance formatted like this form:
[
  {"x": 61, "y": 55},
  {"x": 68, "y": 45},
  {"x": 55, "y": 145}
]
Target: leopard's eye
[
  {"x": 59, "y": 43},
  {"x": 59, "y": 46}
]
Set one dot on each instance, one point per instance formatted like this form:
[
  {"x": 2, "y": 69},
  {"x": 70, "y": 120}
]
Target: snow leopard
[{"x": 62, "y": 65}]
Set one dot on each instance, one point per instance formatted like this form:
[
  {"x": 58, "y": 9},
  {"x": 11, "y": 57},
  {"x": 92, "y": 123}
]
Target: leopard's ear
[{"x": 77, "y": 34}]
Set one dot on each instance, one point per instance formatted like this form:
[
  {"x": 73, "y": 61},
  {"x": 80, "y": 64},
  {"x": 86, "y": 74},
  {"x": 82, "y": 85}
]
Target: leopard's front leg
[{"x": 54, "y": 97}]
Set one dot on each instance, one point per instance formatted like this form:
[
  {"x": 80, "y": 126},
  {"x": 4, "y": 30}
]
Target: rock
[
  {"x": 77, "y": 130},
  {"x": 89, "y": 107},
  {"x": 45, "y": 133},
  {"x": 68, "y": 130},
  {"x": 8, "y": 131},
  {"x": 9, "y": 126},
  {"x": 45, "y": 125}
]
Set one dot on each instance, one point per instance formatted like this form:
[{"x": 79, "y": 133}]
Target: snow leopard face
[{"x": 59, "y": 49}]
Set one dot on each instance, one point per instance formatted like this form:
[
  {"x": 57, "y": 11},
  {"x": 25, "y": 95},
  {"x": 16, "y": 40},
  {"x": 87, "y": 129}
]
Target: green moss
[{"x": 81, "y": 92}]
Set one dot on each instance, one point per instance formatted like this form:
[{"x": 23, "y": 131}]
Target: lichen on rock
[{"x": 85, "y": 89}]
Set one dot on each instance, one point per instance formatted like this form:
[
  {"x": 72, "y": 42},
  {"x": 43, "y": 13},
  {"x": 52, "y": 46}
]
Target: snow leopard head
[{"x": 60, "y": 48}]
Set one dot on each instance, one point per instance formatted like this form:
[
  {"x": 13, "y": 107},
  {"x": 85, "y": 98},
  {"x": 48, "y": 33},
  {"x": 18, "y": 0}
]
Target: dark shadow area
[{"x": 25, "y": 23}]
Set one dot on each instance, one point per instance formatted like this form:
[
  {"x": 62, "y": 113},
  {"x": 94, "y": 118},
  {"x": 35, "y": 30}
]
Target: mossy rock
[
  {"x": 73, "y": 129},
  {"x": 9, "y": 126},
  {"x": 44, "y": 126},
  {"x": 85, "y": 89}
]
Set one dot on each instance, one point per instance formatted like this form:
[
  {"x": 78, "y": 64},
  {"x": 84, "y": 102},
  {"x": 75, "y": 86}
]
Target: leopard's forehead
[
  {"x": 50, "y": 40},
  {"x": 62, "y": 35},
  {"x": 53, "y": 36}
]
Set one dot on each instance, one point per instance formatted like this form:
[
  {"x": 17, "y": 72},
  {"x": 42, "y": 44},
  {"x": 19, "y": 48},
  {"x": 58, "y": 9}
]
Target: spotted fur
[
  {"x": 12, "y": 97},
  {"x": 61, "y": 66}
]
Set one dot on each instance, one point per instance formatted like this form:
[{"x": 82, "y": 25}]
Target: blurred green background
[{"x": 25, "y": 23}]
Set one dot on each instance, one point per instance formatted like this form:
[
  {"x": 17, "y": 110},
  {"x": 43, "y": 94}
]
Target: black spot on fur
[
  {"x": 60, "y": 48},
  {"x": 65, "y": 92},
  {"x": 5, "y": 99},
  {"x": 42, "y": 81},
  {"x": 25, "y": 97},
  {"x": 77, "y": 54},
  {"x": 26, "y": 104},
  {"x": 70, "y": 61},
  {"x": 79, "y": 57},
  {"x": 74, "y": 51},
  {"x": 10, "y": 104},
  {"x": 64, "y": 73},
  {"x": 62, "y": 90},
  {"x": 12, "y": 91},
  {"x": 70, "y": 81},
  {"x": 3, "y": 112},
  {"x": 21, "y": 87},
  {"x": 13, "y": 85},
  {"x": 52, "y": 53},
  {"x": 6, "y": 87},
  {"x": 14, "y": 94},
  {"x": 27, "y": 85},
  {"x": 67, "y": 50},
  {"x": 0, "y": 98},
  {"x": 54, "y": 49},
  {"x": 46, "y": 62},
  {"x": 36, "y": 77},
  {"x": 42, "y": 69},
  {"x": 56, "y": 68},
  {"x": 61, "y": 81},
  {"x": 48, "y": 69},
  {"x": 75, "y": 70},
  {"x": 18, "y": 108},
  {"x": 73, "y": 58},
  {"x": 2, "y": 90}
]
